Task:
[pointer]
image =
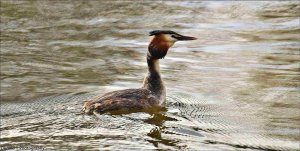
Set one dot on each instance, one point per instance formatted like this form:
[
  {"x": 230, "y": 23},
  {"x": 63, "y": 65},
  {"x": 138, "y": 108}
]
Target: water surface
[{"x": 235, "y": 88}]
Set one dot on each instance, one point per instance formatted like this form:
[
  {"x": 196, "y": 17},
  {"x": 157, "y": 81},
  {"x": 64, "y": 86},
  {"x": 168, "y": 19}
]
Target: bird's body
[
  {"x": 128, "y": 99},
  {"x": 153, "y": 93}
]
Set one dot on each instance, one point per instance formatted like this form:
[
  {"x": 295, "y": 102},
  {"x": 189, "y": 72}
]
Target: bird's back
[{"x": 128, "y": 99}]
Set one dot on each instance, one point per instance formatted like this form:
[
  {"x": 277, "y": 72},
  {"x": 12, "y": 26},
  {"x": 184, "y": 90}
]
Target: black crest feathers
[{"x": 157, "y": 32}]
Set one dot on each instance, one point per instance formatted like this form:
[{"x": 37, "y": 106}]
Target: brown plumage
[
  {"x": 129, "y": 99},
  {"x": 152, "y": 94},
  {"x": 159, "y": 46}
]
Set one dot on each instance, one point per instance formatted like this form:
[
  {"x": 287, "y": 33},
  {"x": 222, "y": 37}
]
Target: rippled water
[{"x": 235, "y": 88}]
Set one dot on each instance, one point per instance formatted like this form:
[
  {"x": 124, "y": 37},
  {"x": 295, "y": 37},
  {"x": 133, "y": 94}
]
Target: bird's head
[{"x": 162, "y": 40}]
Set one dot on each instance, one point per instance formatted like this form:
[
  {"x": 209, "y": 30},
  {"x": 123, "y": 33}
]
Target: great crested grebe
[{"x": 152, "y": 93}]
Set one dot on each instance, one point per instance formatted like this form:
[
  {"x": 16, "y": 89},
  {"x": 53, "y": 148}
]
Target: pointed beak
[{"x": 181, "y": 37}]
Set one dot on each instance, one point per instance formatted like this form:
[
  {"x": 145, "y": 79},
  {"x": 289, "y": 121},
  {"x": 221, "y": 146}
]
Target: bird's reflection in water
[{"x": 157, "y": 118}]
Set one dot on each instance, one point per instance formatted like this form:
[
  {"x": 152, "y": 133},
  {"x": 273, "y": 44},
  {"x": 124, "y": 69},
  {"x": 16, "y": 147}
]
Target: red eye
[{"x": 175, "y": 36}]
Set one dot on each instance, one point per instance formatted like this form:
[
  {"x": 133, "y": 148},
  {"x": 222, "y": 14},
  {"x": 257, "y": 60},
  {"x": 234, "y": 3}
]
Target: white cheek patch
[{"x": 169, "y": 38}]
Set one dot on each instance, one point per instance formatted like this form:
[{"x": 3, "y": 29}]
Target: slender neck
[
  {"x": 153, "y": 64},
  {"x": 153, "y": 81}
]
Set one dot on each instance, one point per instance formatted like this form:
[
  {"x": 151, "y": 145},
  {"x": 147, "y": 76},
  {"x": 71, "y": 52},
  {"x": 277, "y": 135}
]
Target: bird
[{"x": 152, "y": 93}]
